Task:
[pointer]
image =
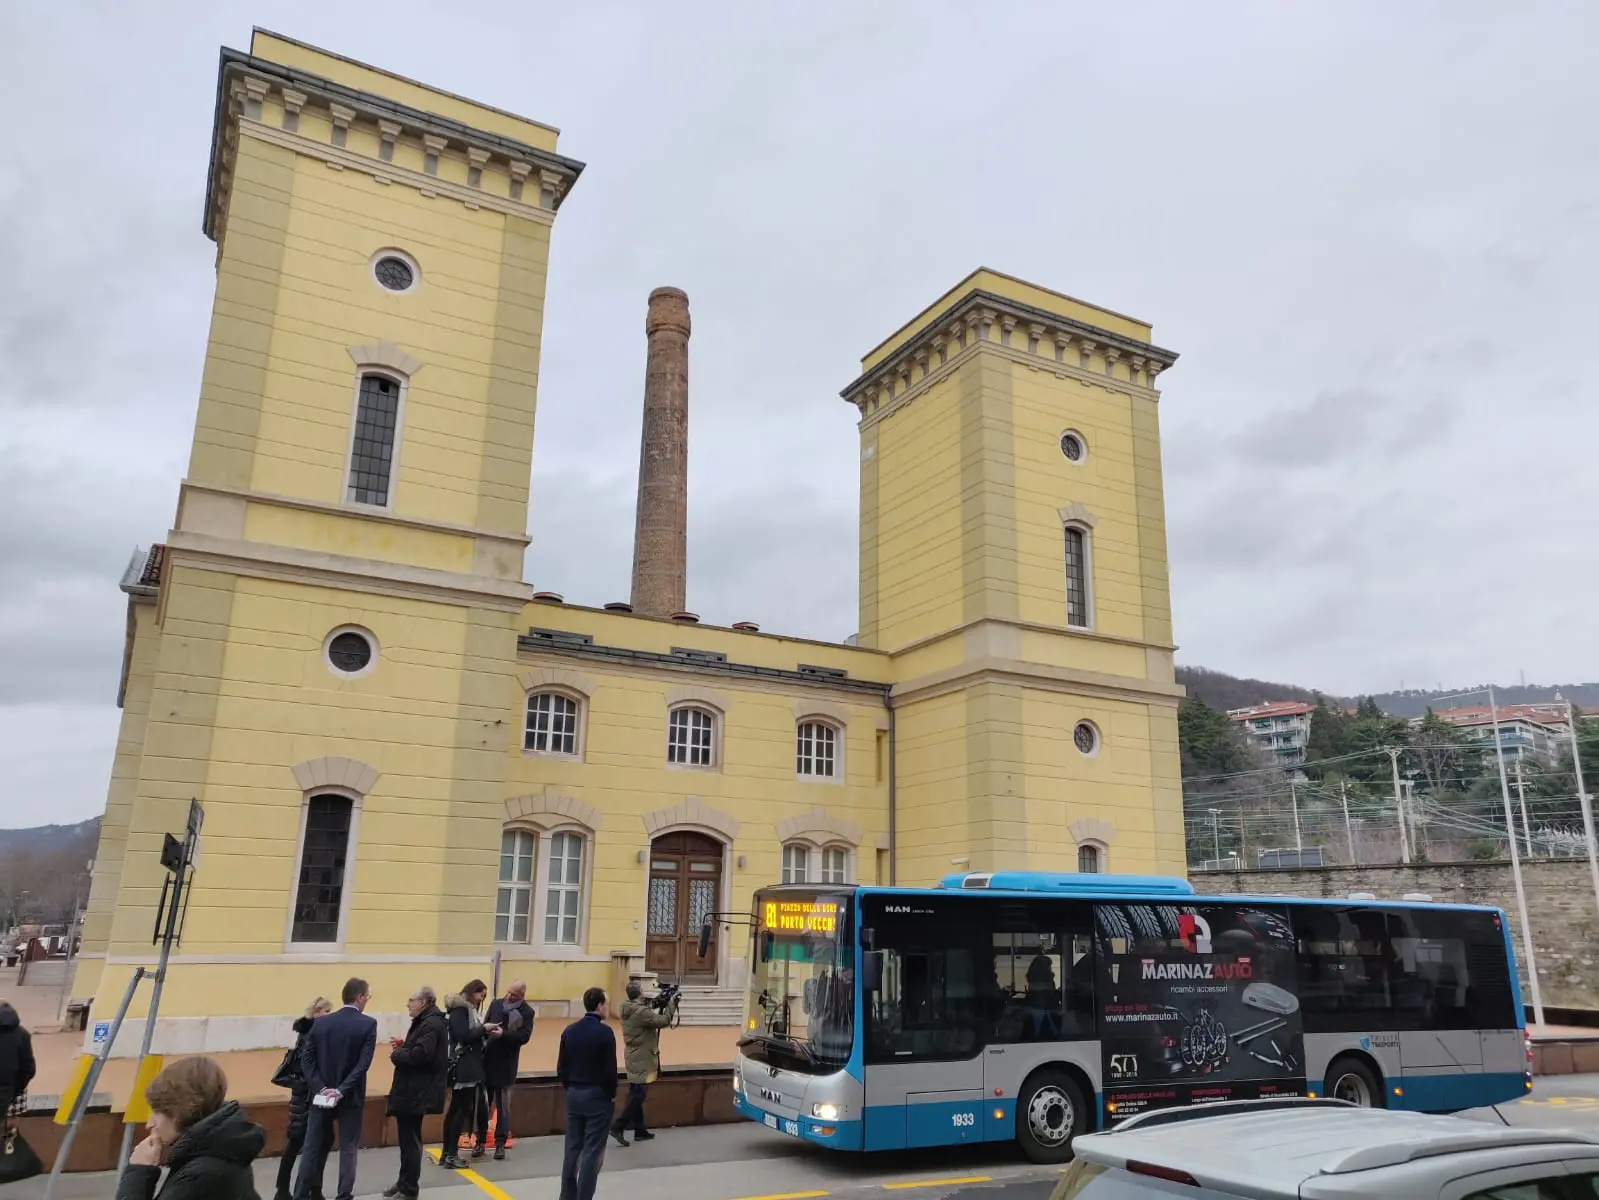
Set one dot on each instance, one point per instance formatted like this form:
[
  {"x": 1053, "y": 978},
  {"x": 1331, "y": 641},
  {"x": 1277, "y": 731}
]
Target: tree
[
  {"x": 1447, "y": 759},
  {"x": 1210, "y": 742}
]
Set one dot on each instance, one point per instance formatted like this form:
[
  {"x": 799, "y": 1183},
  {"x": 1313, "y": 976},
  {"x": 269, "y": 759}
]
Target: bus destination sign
[{"x": 800, "y": 916}]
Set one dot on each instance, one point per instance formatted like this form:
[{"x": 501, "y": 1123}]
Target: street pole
[
  {"x": 1399, "y": 805},
  {"x": 1521, "y": 791},
  {"x": 1215, "y": 832},
  {"x": 1349, "y": 833},
  {"x": 1515, "y": 865},
  {"x": 1585, "y": 800},
  {"x": 1299, "y": 843},
  {"x": 86, "y": 1092}
]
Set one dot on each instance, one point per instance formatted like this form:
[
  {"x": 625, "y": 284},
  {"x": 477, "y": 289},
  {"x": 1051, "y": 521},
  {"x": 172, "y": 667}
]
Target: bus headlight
[{"x": 825, "y": 1112}]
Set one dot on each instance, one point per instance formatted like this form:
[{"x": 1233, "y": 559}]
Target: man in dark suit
[
  {"x": 501, "y": 1061},
  {"x": 338, "y": 1051},
  {"x": 586, "y": 1067}
]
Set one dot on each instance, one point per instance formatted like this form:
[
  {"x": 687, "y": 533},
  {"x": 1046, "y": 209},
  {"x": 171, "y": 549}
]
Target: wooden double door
[{"x": 685, "y": 888}]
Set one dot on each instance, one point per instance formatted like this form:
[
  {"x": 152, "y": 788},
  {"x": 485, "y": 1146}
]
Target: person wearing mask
[
  {"x": 468, "y": 1035},
  {"x": 501, "y": 1061},
  {"x": 421, "y": 1063},
  {"x": 299, "y": 1103},
  {"x": 203, "y": 1139},
  {"x": 17, "y": 1066},
  {"x": 641, "y": 1035},
  {"x": 586, "y": 1067},
  {"x": 338, "y": 1053}
]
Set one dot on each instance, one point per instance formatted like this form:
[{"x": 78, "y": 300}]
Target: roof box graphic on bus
[{"x": 1060, "y": 881}]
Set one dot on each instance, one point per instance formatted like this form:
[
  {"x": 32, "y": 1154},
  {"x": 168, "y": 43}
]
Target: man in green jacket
[{"x": 641, "y": 1036}]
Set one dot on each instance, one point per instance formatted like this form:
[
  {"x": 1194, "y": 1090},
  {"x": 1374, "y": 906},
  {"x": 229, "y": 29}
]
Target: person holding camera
[{"x": 642, "y": 1022}]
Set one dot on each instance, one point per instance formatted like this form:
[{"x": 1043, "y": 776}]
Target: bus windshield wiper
[{"x": 797, "y": 1047}]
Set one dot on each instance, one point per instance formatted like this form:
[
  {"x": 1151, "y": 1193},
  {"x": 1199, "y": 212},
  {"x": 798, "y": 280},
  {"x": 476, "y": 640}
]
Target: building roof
[
  {"x": 1481, "y": 714},
  {"x": 1272, "y": 708}
]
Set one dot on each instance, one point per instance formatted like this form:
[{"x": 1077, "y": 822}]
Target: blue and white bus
[{"x": 1036, "y": 1006}]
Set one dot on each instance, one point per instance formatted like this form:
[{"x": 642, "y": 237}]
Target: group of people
[
  {"x": 458, "y": 1052},
  {"x": 459, "y": 1060}
]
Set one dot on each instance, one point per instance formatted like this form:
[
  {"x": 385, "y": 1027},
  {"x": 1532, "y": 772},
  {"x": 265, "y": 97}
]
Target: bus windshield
[{"x": 801, "y": 1010}]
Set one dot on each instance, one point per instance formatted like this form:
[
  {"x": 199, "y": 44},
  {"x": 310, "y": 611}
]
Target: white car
[{"x": 1326, "y": 1150}]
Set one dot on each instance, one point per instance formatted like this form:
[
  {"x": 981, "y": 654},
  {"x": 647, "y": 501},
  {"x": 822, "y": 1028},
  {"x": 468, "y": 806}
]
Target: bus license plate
[{"x": 771, "y": 1121}]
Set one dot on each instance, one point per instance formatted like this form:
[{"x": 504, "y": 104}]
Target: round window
[
  {"x": 350, "y": 652},
  {"x": 1073, "y": 447},
  {"x": 394, "y": 272},
  {"x": 1085, "y": 737}
]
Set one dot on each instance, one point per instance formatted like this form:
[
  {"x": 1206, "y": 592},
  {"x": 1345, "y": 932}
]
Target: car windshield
[{"x": 801, "y": 1011}]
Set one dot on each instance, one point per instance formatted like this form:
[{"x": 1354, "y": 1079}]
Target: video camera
[{"x": 666, "y": 996}]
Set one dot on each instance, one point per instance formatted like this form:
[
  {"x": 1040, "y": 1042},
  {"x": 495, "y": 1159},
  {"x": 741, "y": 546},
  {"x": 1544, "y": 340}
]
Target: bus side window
[{"x": 927, "y": 1004}]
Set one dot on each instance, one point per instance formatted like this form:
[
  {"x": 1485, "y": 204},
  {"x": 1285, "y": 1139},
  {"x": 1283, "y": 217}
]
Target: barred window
[
  {"x": 1088, "y": 860},
  {"x": 515, "y": 903},
  {"x": 372, "y": 452},
  {"x": 816, "y": 750},
  {"x": 551, "y": 724},
  {"x": 1076, "y": 577},
  {"x": 319, "y": 898},
  {"x": 690, "y": 737}
]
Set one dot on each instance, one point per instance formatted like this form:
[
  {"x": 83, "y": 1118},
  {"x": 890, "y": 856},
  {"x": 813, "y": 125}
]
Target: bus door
[
  {"x": 1430, "y": 987},
  {"x": 923, "y": 1037}
]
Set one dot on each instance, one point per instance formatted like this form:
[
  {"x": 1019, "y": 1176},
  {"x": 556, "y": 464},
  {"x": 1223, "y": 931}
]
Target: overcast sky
[{"x": 1370, "y": 230}]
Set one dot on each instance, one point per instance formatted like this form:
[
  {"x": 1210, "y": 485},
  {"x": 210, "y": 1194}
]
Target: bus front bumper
[{"x": 840, "y": 1134}]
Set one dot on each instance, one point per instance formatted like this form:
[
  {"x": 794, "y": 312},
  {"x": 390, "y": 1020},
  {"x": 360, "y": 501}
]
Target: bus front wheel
[
  {"x": 1352, "y": 1080},
  {"x": 1050, "y": 1112}
]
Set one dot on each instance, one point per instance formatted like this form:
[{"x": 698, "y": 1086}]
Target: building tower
[
  {"x": 660, "y": 531},
  {"x": 1013, "y": 561},
  {"x": 318, "y": 649}
]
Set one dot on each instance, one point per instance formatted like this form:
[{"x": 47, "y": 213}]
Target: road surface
[{"x": 747, "y": 1162}]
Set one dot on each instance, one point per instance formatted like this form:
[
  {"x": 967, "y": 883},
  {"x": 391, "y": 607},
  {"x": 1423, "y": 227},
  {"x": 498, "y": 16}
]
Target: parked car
[{"x": 1327, "y": 1150}]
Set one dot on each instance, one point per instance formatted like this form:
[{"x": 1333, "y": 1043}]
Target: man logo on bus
[{"x": 1195, "y": 931}]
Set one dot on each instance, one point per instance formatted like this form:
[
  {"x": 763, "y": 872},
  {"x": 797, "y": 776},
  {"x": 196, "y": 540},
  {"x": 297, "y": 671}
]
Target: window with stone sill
[
  {"x": 691, "y": 737},
  {"x": 1090, "y": 861},
  {"x": 1078, "y": 615},
  {"x": 551, "y": 726},
  {"x": 541, "y": 889},
  {"x": 324, "y": 859},
  {"x": 835, "y": 864},
  {"x": 816, "y": 750},
  {"x": 796, "y": 863}
]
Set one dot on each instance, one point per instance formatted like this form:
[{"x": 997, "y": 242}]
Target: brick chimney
[{"x": 660, "y": 531}]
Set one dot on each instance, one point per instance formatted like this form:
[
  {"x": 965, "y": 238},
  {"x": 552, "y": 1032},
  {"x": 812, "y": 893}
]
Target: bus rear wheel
[
  {"x": 1050, "y": 1112},
  {"x": 1352, "y": 1080}
]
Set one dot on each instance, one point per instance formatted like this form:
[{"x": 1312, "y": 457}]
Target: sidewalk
[{"x": 250, "y": 1071}]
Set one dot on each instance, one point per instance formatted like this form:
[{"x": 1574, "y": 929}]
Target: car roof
[{"x": 1269, "y": 1148}]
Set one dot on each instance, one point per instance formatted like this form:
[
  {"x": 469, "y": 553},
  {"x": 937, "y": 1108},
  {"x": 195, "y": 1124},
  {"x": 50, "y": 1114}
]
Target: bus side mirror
[
  {"x": 705, "y": 937},
  {"x": 768, "y": 939},
  {"x": 872, "y": 971}
]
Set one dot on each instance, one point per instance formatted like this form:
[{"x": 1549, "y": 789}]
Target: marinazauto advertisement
[{"x": 1199, "y": 1005}]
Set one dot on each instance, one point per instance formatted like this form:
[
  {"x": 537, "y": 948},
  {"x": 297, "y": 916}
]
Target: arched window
[
  {"x": 1078, "y": 592},
  {"x": 1089, "y": 860},
  {"x": 816, "y": 750},
  {"x": 514, "y": 908},
  {"x": 691, "y": 737},
  {"x": 324, "y": 856},
  {"x": 796, "y": 863},
  {"x": 542, "y": 887},
  {"x": 551, "y": 724},
  {"x": 373, "y": 440},
  {"x": 835, "y": 864},
  {"x": 563, "y": 895}
]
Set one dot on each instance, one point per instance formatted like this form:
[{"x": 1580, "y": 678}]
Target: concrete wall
[{"x": 1560, "y": 899}]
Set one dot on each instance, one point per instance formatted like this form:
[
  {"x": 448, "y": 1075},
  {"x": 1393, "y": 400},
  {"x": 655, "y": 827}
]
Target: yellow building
[{"x": 410, "y": 763}]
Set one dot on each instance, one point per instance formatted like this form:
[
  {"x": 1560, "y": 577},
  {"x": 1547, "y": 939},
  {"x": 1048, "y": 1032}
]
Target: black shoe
[
  {"x": 452, "y": 1162},
  {"x": 620, "y": 1137},
  {"x": 398, "y": 1193},
  {"x": 479, "y": 1151},
  {"x": 499, "y": 1154},
  {"x": 643, "y": 1135}
]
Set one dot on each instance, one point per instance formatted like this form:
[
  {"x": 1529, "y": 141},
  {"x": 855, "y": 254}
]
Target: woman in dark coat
[
  {"x": 468, "y": 1034},
  {"x": 421, "y": 1063},
  {"x": 204, "y": 1139},
  {"x": 299, "y": 1103}
]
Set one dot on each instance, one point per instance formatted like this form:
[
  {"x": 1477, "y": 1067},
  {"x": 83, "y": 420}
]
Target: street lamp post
[
  {"x": 1215, "y": 831},
  {"x": 1585, "y": 800},
  {"x": 1515, "y": 864}
]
